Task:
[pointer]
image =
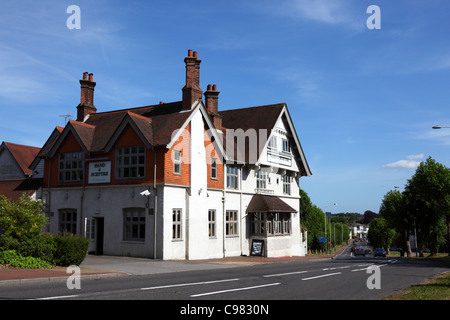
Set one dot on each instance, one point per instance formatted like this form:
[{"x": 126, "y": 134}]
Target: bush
[
  {"x": 41, "y": 246},
  {"x": 70, "y": 249},
  {"x": 14, "y": 259}
]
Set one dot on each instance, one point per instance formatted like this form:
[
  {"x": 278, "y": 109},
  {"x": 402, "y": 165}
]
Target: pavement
[{"x": 97, "y": 267}]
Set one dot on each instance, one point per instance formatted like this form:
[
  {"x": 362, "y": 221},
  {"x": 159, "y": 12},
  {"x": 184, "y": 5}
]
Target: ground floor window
[
  {"x": 176, "y": 224},
  {"x": 212, "y": 223},
  {"x": 68, "y": 221},
  {"x": 134, "y": 224},
  {"x": 231, "y": 219},
  {"x": 270, "y": 224}
]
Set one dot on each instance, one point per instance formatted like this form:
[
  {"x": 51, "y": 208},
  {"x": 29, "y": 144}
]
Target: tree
[
  {"x": 23, "y": 218},
  {"x": 369, "y": 216},
  {"x": 393, "y": 209},
  {"x": 427, "y": 199},
  {"x": 381, "y": 234}
]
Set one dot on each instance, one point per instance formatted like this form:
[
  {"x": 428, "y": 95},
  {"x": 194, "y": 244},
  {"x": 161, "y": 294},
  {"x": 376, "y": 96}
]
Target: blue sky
[{"x": 363, "y": 101}]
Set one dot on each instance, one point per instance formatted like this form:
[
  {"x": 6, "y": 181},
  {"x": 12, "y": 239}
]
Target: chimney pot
[
  {"x": 91, "y": 77},
  {"x": 209, "y": 87},
  {"x": 214, "y": 87},
  {"x": 195, "y": 54},
  {"x": 189, "y": 53},
  {"x": 85, "y": 75}
]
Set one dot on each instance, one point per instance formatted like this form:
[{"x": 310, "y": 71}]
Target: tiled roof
[
  {"x": 264, "y": 203},
  {"x": 24, "y": 155}
]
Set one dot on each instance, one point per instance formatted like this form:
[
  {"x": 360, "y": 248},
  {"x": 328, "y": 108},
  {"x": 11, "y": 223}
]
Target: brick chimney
[
  {"x": 192, "y": 91},
  {"x": 212, "y": 105},
  {"x": 86, "y": 105}
]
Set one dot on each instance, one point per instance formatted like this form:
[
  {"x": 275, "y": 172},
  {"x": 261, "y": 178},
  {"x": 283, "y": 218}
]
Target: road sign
[{"x": 322, "y": 239}]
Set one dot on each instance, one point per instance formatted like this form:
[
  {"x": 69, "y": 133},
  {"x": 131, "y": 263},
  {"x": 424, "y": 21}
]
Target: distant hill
[{"x": 353, "y": 217}]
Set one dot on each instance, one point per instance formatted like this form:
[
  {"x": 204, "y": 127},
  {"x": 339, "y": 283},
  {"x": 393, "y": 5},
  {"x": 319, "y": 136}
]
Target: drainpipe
[
  {"x": 155, "y": 203},
  {"x": 82, "y": 197},
  {"x": 48, "y": 188}
]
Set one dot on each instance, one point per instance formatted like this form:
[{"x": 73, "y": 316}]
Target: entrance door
[{"x": 94, "y": 231}]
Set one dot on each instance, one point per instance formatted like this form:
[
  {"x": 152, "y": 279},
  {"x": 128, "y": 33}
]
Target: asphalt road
[{"x": 344, "y": 278}]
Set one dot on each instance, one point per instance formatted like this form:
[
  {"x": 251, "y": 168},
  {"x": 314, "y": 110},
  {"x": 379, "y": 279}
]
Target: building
[
  {"x": 179, "y": 180},
  {"x": 16, "y": 177},
  {"x": 359, "y": 230}
]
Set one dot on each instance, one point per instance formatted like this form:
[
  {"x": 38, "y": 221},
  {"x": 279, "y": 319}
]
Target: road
[{"x": 343, "y": 278}]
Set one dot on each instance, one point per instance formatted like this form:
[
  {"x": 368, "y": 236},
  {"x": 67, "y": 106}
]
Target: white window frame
[
  {"x": 232, "y": 177},
  {"x": 286, "y": 184},
  {"x": 177, "y": 162},
  {"x": 261, "y": 179},
  {"x": 177, "y": 230},
  {"x": 272, "y": 142},
  {"x": 90, "y": 228},
  {"x": 231, "y": 223},
  {"x": 212, "y": 223},
  {"x": 286, "y": 145},
  {"x": 214, "y": 168}
]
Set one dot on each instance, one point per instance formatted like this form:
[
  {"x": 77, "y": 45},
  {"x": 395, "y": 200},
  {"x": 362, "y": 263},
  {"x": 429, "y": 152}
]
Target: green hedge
[
  {"x": 14, "y": 259},
  {"x": 62, "y": 250},
  {"x": 70, "y": 249}
]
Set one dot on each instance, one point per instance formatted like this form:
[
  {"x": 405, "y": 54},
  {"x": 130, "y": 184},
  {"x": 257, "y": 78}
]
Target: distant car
[
  {"x": 379, "y": 252},
  {"x": 360, "y": 251}
]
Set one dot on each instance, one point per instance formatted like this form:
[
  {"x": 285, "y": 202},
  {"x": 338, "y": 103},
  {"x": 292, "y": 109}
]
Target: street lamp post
[{"x": 325, "y": 212}]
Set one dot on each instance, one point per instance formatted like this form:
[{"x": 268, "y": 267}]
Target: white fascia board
[
  {"x": 297, "y": 141},
  {"x": 199, "y": 107}
]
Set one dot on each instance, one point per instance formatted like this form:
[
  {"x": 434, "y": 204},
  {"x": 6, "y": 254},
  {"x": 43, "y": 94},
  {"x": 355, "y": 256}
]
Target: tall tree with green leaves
[
  {"x": 393, "y": 209},
  {"x": 427, "y": 198},
  {"x": 381, "y": 234}
]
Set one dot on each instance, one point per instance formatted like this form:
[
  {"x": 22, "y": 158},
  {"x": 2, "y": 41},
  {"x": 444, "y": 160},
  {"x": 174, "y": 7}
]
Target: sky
[{"x": 363, "y": 100}]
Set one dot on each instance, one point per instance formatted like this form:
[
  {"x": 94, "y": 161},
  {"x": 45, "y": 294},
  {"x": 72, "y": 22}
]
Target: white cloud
[
  {"x": 410, "y": 163},
  {"x": 415, "y": 156}
]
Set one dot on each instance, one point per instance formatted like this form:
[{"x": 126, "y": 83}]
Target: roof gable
[
  {"x": 254, "y": 127},
  {"x": 23, "y": 155}
]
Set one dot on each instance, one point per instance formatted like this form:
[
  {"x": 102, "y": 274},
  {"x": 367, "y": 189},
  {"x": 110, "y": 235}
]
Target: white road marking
[
  {"x": 324, "y": 275},
  {"x": 237, "y": 289},
  {"x": 188, "y": 284},
  {"x": 57, "y": 297},
  {"x": 284, "y": 274}
]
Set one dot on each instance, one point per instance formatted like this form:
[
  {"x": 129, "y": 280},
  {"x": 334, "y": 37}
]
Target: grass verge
[{"x": 437, "y": 288}]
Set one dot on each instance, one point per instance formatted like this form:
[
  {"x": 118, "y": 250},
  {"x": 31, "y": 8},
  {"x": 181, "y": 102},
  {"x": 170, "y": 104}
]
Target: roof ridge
[
  {"x": 135, "y": 108},
  {"x": 20, "y": 145},
  {"x": 266, "y": 105},
  {"x": 81, "y": 123}
]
